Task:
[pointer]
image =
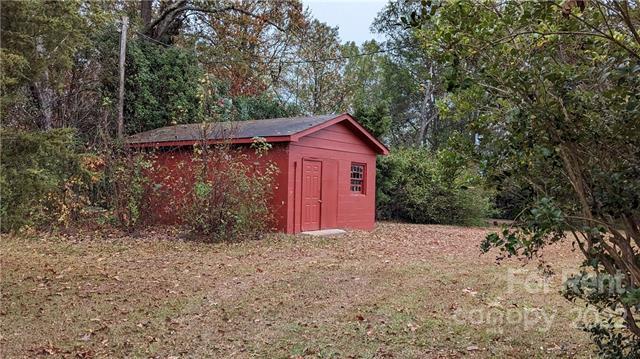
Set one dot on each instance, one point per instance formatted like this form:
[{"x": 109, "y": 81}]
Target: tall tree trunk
[
  {"x": 146, "y": 11},
  {"x": 43, "y": 93},
  {"x": 427, "y": 111},
  {"x": 424, "y": 117},
  {"x": 45, "y": 98}
]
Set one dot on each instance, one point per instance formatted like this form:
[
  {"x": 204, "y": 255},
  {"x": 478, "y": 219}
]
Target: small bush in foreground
[
  {"x": 130, "y": 188},
  {"x": 231, "y": 196}
]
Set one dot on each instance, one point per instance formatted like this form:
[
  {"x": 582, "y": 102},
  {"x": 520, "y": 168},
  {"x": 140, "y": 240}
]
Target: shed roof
[{"x": 274, "y": 130}]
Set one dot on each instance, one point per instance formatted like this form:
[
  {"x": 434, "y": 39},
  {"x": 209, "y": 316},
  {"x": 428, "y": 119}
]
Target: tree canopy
[{"x": 554, "y": 91}]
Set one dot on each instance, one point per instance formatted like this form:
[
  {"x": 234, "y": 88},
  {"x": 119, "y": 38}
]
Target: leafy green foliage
[
  {"x": 162, "y": 86},
  {"x": 219, "y": 104},
  {"x": 376, "y": 119},
  {"x": 512, "y": 200},
  {"x": 544, "y": 223},
  {"x": 46, "y": 25},
  {"x": 48, "y": 63},
  {"x": 412, "y": 82},
  {"x": 555, "y": 93},
  {"x": 366, "y": 86},
  {"x": 261, "y": 107},
  {"x": 418, "y": 186},
  {"x": 612, "y": 341},
  {"x": 42, "y": 178},
  {"x": 230, "y": 199}
]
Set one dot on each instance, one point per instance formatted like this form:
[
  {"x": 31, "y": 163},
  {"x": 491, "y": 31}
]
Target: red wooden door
[{"x": 311, "y": 194}]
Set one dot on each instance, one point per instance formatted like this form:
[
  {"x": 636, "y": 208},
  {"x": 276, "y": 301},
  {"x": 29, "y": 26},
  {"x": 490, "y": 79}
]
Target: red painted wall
[
  {"x": 336, "y": 147},
  {"x": 173, "y": 170}
]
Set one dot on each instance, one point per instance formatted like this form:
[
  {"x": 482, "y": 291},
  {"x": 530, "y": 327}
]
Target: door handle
[{"x": 319, "y": 201}]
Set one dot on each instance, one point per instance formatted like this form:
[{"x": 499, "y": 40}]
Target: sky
[{"x": 353, "y": 17}]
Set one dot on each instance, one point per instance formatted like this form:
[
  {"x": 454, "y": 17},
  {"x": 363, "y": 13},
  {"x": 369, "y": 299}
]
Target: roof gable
[
  {"x": 289, "y": 129},
  {"x": 368, "y": 138}
]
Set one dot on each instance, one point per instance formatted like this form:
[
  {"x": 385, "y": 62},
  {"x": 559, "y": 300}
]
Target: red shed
[{"x": 327, "y": 166}]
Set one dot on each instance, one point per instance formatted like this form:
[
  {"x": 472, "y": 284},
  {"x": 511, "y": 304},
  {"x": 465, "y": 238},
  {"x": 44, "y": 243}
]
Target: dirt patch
[{"x": 399, "y": 291}]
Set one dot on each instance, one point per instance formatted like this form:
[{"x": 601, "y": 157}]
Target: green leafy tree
[
  {"x": 411, "y": 79},
  {"x": 162, "y": 87},
  {"x": 554, "y": 89},
  {"x": 261, "y": 107},
  {"x": 218, "y": 104},
  {"x": 375, "y": 118},
  {"x": 367, "y": 95},
  {"x": 363, "y": 73},
  {"x": 39, "y": 44}
]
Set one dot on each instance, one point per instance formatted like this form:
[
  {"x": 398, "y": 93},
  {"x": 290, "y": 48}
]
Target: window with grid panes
[{"x": 357, "y": 177}]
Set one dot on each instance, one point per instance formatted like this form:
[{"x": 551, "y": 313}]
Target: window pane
[{"x": 357, "y": 177}]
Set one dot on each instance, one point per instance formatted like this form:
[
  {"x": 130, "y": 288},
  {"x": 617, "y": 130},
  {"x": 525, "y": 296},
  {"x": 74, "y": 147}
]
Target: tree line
[{"x": 191, "y": 60}]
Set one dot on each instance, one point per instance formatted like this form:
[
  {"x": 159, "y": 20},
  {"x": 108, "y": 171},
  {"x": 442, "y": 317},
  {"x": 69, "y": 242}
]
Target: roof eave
[{"x": 180, "y": 143}]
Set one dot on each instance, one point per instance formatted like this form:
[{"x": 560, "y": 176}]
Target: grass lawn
[{"x": 399, "y": 291}]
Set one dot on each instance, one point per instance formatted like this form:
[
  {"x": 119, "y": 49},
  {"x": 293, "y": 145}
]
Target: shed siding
[
  {"x": 279, "y": 156},
  {"x": 337, "y": 147},
  {"x": 174, "y": 171}
]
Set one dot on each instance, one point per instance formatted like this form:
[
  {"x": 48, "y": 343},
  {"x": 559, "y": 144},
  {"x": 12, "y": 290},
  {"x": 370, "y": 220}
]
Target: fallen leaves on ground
[{"x": 399, "y": 291}]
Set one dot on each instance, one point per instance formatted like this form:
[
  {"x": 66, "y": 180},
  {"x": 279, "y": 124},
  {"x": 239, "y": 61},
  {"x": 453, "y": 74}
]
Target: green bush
[
  {"x": 219, "y": 104},
  {"x": 376, "y": 119},
  {"x": 42, "y": 178},
  {"x": 231, "y": 197},
  {"x": 417, "y": 186}
]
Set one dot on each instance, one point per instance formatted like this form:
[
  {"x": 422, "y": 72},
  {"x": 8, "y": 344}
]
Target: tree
[
  {"x": 39, "y": 41},
  {"x": 58, "y": 68},
  {"x": 554, "y": 90},
  {"x": 374, "y": 118},
  {"x": 411, "y": 78},
  {"x": 422, "y": 186},
  {"x": 363, "y": 73},
  {"x": 172, "y": 18},
  {"x": 246, "y": 50},
  {"x": 239, "y": 44},
  {"x": 218, "y": 104},
  {"x": 42, "y": 178},
  {"x": 162, "y": 86},
  {"x": 261, "y": 107},
  {"x": 315, "y": 80}
]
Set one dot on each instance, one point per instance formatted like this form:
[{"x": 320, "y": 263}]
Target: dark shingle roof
[{"x": 234, "y": 129}]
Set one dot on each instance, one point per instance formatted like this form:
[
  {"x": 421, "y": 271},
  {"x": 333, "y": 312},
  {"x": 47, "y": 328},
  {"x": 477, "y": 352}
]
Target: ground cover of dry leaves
[{"x": 400, "y": 291}]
